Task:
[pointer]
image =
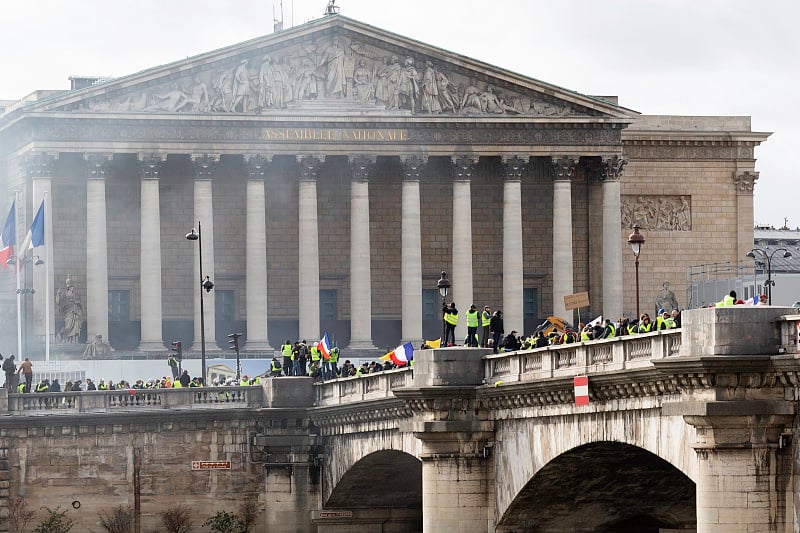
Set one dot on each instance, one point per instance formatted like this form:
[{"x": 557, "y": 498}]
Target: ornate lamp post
[
  {"x": 769, "y": 282},
  {"x": 443, "y": 285},
  {"x": 636, "y": 240},
  {"x": 205, "y": 284}
]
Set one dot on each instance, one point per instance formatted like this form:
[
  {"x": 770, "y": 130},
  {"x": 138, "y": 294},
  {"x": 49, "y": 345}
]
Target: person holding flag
[
  {"x": 401, "y": 356},
  {"x": 324, "y": 352}
]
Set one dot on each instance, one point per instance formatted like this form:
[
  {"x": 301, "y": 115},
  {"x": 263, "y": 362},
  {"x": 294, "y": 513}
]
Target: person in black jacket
[
  {"x": 496, "y": 327},
  {"x": 512, "y": 344}
]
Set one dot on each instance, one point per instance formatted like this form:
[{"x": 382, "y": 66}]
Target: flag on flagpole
[
  {"x": 324, "y": 347},
  {"x": 35, "y": 236},
  {"x": 8, "y": 237},
  {"x": 402, "y": 355}
]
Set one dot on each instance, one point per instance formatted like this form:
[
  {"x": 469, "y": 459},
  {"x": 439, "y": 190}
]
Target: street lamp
[
  {"x": 443, "y": 285},
  {"x": 205, "y": 284},
  {"x": 769, "y": 282},
  {"x": 636, "y": 240}
]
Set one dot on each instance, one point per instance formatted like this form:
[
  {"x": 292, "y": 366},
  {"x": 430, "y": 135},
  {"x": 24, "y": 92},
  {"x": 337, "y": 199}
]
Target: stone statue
[
  {"x": 666, "y": 299},
  {"x": 97, "y": 349},
  {"x": 71, "y": 309}
]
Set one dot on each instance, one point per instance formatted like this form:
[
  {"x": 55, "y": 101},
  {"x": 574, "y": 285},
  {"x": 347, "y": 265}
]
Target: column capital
[
  {"x": 563, "y": 168},
  {"x": 611, "y": 167},
  {"x": 256, "y": 165},
  {"x": 464, "y": 166},
  {"x": 97, "y": 165},
  {"x": 745, "y": 181},
  {"x": 39, "y": 164},
  {"x": 360, "y": 167},
  {"x": 413, "y": 166},
  {"x": 150, "y": 165},
  {"x": 514, "y": 167},
  {"x": 309, "y": 166},
  {"x": 204, "y": 165}
]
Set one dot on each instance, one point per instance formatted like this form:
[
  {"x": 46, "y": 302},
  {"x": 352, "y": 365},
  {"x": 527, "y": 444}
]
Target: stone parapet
[
  {"x": 734, "y": 330},
  {"x": 449, "y": 367},
  {"x": 288, "y": 392}
]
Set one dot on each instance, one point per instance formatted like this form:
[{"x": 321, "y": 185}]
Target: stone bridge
[{"x": 686, "y": 430}]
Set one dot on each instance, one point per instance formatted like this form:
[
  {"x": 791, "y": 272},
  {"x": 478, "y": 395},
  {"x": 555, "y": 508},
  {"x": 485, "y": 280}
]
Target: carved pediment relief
[{"x": 335, "y": 69}]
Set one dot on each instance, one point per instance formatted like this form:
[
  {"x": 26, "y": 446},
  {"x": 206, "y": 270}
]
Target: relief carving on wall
[
  {"x": 657, "y": 212},
  {"x": 325, "y": 72}
]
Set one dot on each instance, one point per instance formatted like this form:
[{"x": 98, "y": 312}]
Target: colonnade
[{"x": 562, "y": 170}]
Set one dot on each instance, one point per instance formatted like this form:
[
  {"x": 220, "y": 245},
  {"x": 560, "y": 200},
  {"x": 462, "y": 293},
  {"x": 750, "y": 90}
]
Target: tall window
[
  {"x": 430, "y": 304},
  {"x": 225, "y": 305},
  {"x": 119, "y": 305},
  {"x": 327, "y": 304},
  {"x": 530, "y": 303}
]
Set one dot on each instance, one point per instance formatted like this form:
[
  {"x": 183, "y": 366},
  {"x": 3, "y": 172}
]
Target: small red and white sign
[
  {"x": 581, "y": 390},
  {"x": 211, "y": 465}
]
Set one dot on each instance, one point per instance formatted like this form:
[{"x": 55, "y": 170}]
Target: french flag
[
  {"x": 35, "y": 236},
  {"x": 402, "y": 355},
  {"x": 324, "y": 347},
  {"x": 8, "y": 237}
]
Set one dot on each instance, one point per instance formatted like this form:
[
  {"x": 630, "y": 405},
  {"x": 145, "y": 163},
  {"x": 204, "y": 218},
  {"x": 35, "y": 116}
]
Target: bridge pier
[{"x": 457, "y": 439}]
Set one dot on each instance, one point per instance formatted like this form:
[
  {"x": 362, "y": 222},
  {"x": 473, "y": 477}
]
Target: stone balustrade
[
  {"x": 621, "y": 353},
  {"x": 606, "y": 355},
  {"x": 361, "y": 388},
  {"x": 54, "y": 403}
]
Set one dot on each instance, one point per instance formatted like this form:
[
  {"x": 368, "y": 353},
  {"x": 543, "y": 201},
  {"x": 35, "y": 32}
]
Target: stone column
[
  {"x": 308, "y": 246},
  {"x": 562, "y": 171},
  {"x": 96, "y": 248},
  {"x": 204, "y": 168},
  {"x": 256, "y": 264},
  {"x": 40, "y": 169},
  {"x": 745, "y": 182},
  {"x": 150, "y": 256},
  {"x": 411, "y": 251},
  {"x": 610, "y": 174},
  {"x": 360, "y": 269},
  {"x": 513, "y": 316},
  {"x": 462, "y": 241}
]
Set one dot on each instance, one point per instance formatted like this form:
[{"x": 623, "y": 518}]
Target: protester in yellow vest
[
  {"x": 486, "y": 322},
  {"x": 472, "y": 326},
  {"x": 450, "y": 316}
]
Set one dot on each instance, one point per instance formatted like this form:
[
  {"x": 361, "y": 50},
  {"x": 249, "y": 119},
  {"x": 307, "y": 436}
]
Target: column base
[
  {"x": 259, "y": 346},
  {"x": 152, "y": 346},
  {"x": 363, "y": 346},
  {"x": 210, "y": 348}
]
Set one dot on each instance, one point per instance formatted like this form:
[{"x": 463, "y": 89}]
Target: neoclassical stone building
[{"x": 336, "y": 170}]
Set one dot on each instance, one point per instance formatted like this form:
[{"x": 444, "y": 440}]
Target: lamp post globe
[{"x": 769, "y": 282}]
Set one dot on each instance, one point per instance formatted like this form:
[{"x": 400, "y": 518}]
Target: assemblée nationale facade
[{"x": 336, "y": 169}]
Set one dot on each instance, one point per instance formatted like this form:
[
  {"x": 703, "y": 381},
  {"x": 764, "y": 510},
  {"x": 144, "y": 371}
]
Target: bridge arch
[
  {"x": 388, "y": 478},
  {"x": 603, "y": 487},
  {"x": 344, "y": 451}
]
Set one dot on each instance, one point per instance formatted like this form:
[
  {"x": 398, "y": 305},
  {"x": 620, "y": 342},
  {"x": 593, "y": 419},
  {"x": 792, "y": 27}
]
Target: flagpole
[
  {"x": 46, "y": 283},
  {"x": 17, "y": 265}
]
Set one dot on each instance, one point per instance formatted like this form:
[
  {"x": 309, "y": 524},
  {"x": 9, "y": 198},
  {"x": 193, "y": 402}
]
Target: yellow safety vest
[
  {"x": 286, "y": 350},
  {"x": 472, "y": 319},
  {"x": 451, "y": 318},
  {"x": 486, "y": 318}
]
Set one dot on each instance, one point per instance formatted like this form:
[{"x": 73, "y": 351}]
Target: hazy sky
[{"x": 682, "y": 57}]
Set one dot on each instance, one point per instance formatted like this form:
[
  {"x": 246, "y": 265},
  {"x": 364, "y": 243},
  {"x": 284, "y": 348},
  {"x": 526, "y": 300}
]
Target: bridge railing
[
  {"x": 134, "y": 400},
  {"x": 361, "y": 388},
  {"x": 620, "y": 353}
]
